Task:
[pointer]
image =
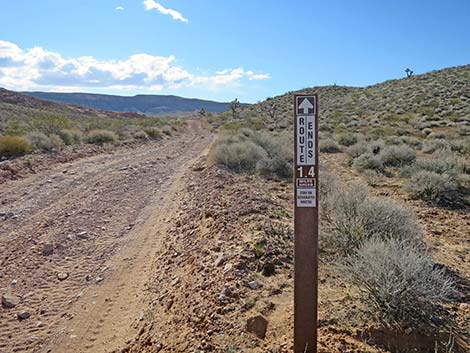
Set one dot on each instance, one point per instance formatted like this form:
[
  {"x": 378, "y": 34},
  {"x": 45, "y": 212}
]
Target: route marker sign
[{"x": 306, "y": 223}]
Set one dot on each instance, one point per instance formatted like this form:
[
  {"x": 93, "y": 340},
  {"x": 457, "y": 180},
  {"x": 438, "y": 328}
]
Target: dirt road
[{"x": 76, "y": 242}]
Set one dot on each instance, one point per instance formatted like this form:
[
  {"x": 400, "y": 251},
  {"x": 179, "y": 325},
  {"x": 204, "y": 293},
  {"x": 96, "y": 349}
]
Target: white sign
[
  {"x": 305, "y": 140},
  {"x": 306, "y": 197}
]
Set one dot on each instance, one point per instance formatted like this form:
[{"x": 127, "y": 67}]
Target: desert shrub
[
  {"x": 167, "y": 130},
  {"x": 411, "y": 141},
  {"x": 13, "y": 146},
  {"x": 328, "y": 190},
  {"x": 368, "y": 161},
  {"x": 153, "y": 132},
  {"x": 431, "y": 146},
  {"x": 252, "y": 151},
  {"x": 56, "y": 141},
  {"x": 347, "y": 139},
  {"x": 50, "y": 124},
  {"x": 239, "y": 156},
  {"x": 100, "y": 136},
  {"x": 430, "y": 186},
  {"x": 39, "y": 141},
  {"x": 71, "y": 137},
  {"x": 358, "y": 217},
  {"x": 461, "y": 145},
  {"x": 437, "y": 135},
  {"x": 357, "y": 149},
  {"x": 140, "y": 135},
  {"x": 443, "y": 164},
  {"x": 328, "y": 146},
  {"x": 397, "y": 156},
  {"x": 402, "y": 282}
]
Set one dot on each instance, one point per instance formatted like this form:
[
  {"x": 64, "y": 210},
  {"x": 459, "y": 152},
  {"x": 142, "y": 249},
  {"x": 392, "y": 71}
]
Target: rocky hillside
[{"x": 438, "y": 99}]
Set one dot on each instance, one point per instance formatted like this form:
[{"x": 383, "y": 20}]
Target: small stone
[
  {"x": 253, "y": 285},
  {"x": 48, "y": 249},
  {"x": 227, "y": 268},
  {"x": 99, "y": 279},
  {"x": 257, "y": 325},
  {"x": 142, "y": 316},
  {"x": 82, "y": 235},
  {"x": 10, "y": 301},
  {"x": 62, "y": 276},
  {"x": 219, "y": 260},
  {"x": 23, "y": 315}
]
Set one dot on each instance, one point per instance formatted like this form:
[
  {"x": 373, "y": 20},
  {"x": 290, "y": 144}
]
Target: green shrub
[
  {"x": 100, "y": 136},
  {"x": 39, "y": 141},
  {"x": 13, "y": 146},
  {"x": 329, "y": 146},
  {"x": 430, "y": 186},
  {"x": 397, "y": 156},
  {"x": 71, "y": 137},
  {"x": 327, "y": 193},
  {"x": 368, "y": 161},
  {"x": 403, "y": 284}
]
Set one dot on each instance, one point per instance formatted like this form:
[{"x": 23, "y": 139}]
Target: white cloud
[
  {"x": 119, "y": 8},
  {"x": 38, "y": 68},
  {"x": 153, "y": 5}
]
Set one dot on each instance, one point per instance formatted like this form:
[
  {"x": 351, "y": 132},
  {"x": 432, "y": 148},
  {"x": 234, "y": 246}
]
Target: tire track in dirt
[{"x": 89, "y": 210}]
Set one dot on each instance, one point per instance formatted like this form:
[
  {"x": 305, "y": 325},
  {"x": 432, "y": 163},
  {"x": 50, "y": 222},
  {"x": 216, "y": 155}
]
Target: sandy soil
[{"x": 76, "y": 242}]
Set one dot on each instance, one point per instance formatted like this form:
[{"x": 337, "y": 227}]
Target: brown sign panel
[{"x": 306, "y": 223}]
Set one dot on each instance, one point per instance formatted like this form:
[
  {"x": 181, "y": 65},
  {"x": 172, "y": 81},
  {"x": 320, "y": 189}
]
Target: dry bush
[
  {"x": 329, "y": 146},
  {"x": 397, "y": 156},
  {"x": 358, "y": 217},
  {"x": 347, "y": 139},
  {"x": 100, "y": 136},
  {"x": 327, "y": 192},
  {"x": 368, "y": 161},
  {"x": 71, "y": 137},
  {"x": 358, "y": 149},
  {"x": 40, "y": 141},
  {"x": 402, "y": 282},
  {"x": 431, "y": 186},
  {"x": 431, "y": 146},
  {"x": 13, "y": 146},
  {"x": 153, "y": 132},
  {"x": 250, "y": 151}
]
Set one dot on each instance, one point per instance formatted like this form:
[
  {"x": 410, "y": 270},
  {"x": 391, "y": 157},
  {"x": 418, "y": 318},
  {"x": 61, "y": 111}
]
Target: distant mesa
[{"x": 142, "y": 104}]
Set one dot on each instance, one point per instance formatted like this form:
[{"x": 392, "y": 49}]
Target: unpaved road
[{"x": 104, "y": 217}]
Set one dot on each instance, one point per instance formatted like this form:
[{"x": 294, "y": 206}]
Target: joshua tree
[
  {"x": 234, "y": 105},
  {"x": 409, "y": 72},
  {"x": 202, "y": 112},
  {"x": 272, "y": 110}
]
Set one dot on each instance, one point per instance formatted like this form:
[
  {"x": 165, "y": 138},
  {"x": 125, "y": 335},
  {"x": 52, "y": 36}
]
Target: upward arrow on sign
[{"x": 306, "y": 105}]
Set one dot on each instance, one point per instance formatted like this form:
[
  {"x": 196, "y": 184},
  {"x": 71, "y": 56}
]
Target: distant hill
[{"x": 144, "y": 104}]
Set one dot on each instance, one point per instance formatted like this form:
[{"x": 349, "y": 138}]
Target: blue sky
[{"x": 222, "y": 49}]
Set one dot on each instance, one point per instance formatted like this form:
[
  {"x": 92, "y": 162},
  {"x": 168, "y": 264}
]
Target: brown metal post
[{"x": 306, "y": 224}]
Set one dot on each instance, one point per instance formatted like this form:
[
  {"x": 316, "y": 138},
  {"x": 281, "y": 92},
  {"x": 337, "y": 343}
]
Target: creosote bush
[
  {"x": 402, "y": 282},
  {"x": 13, "y": 146},
  {"x": 71, "y": 137},
  {"x": 100, "y": 136}
]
